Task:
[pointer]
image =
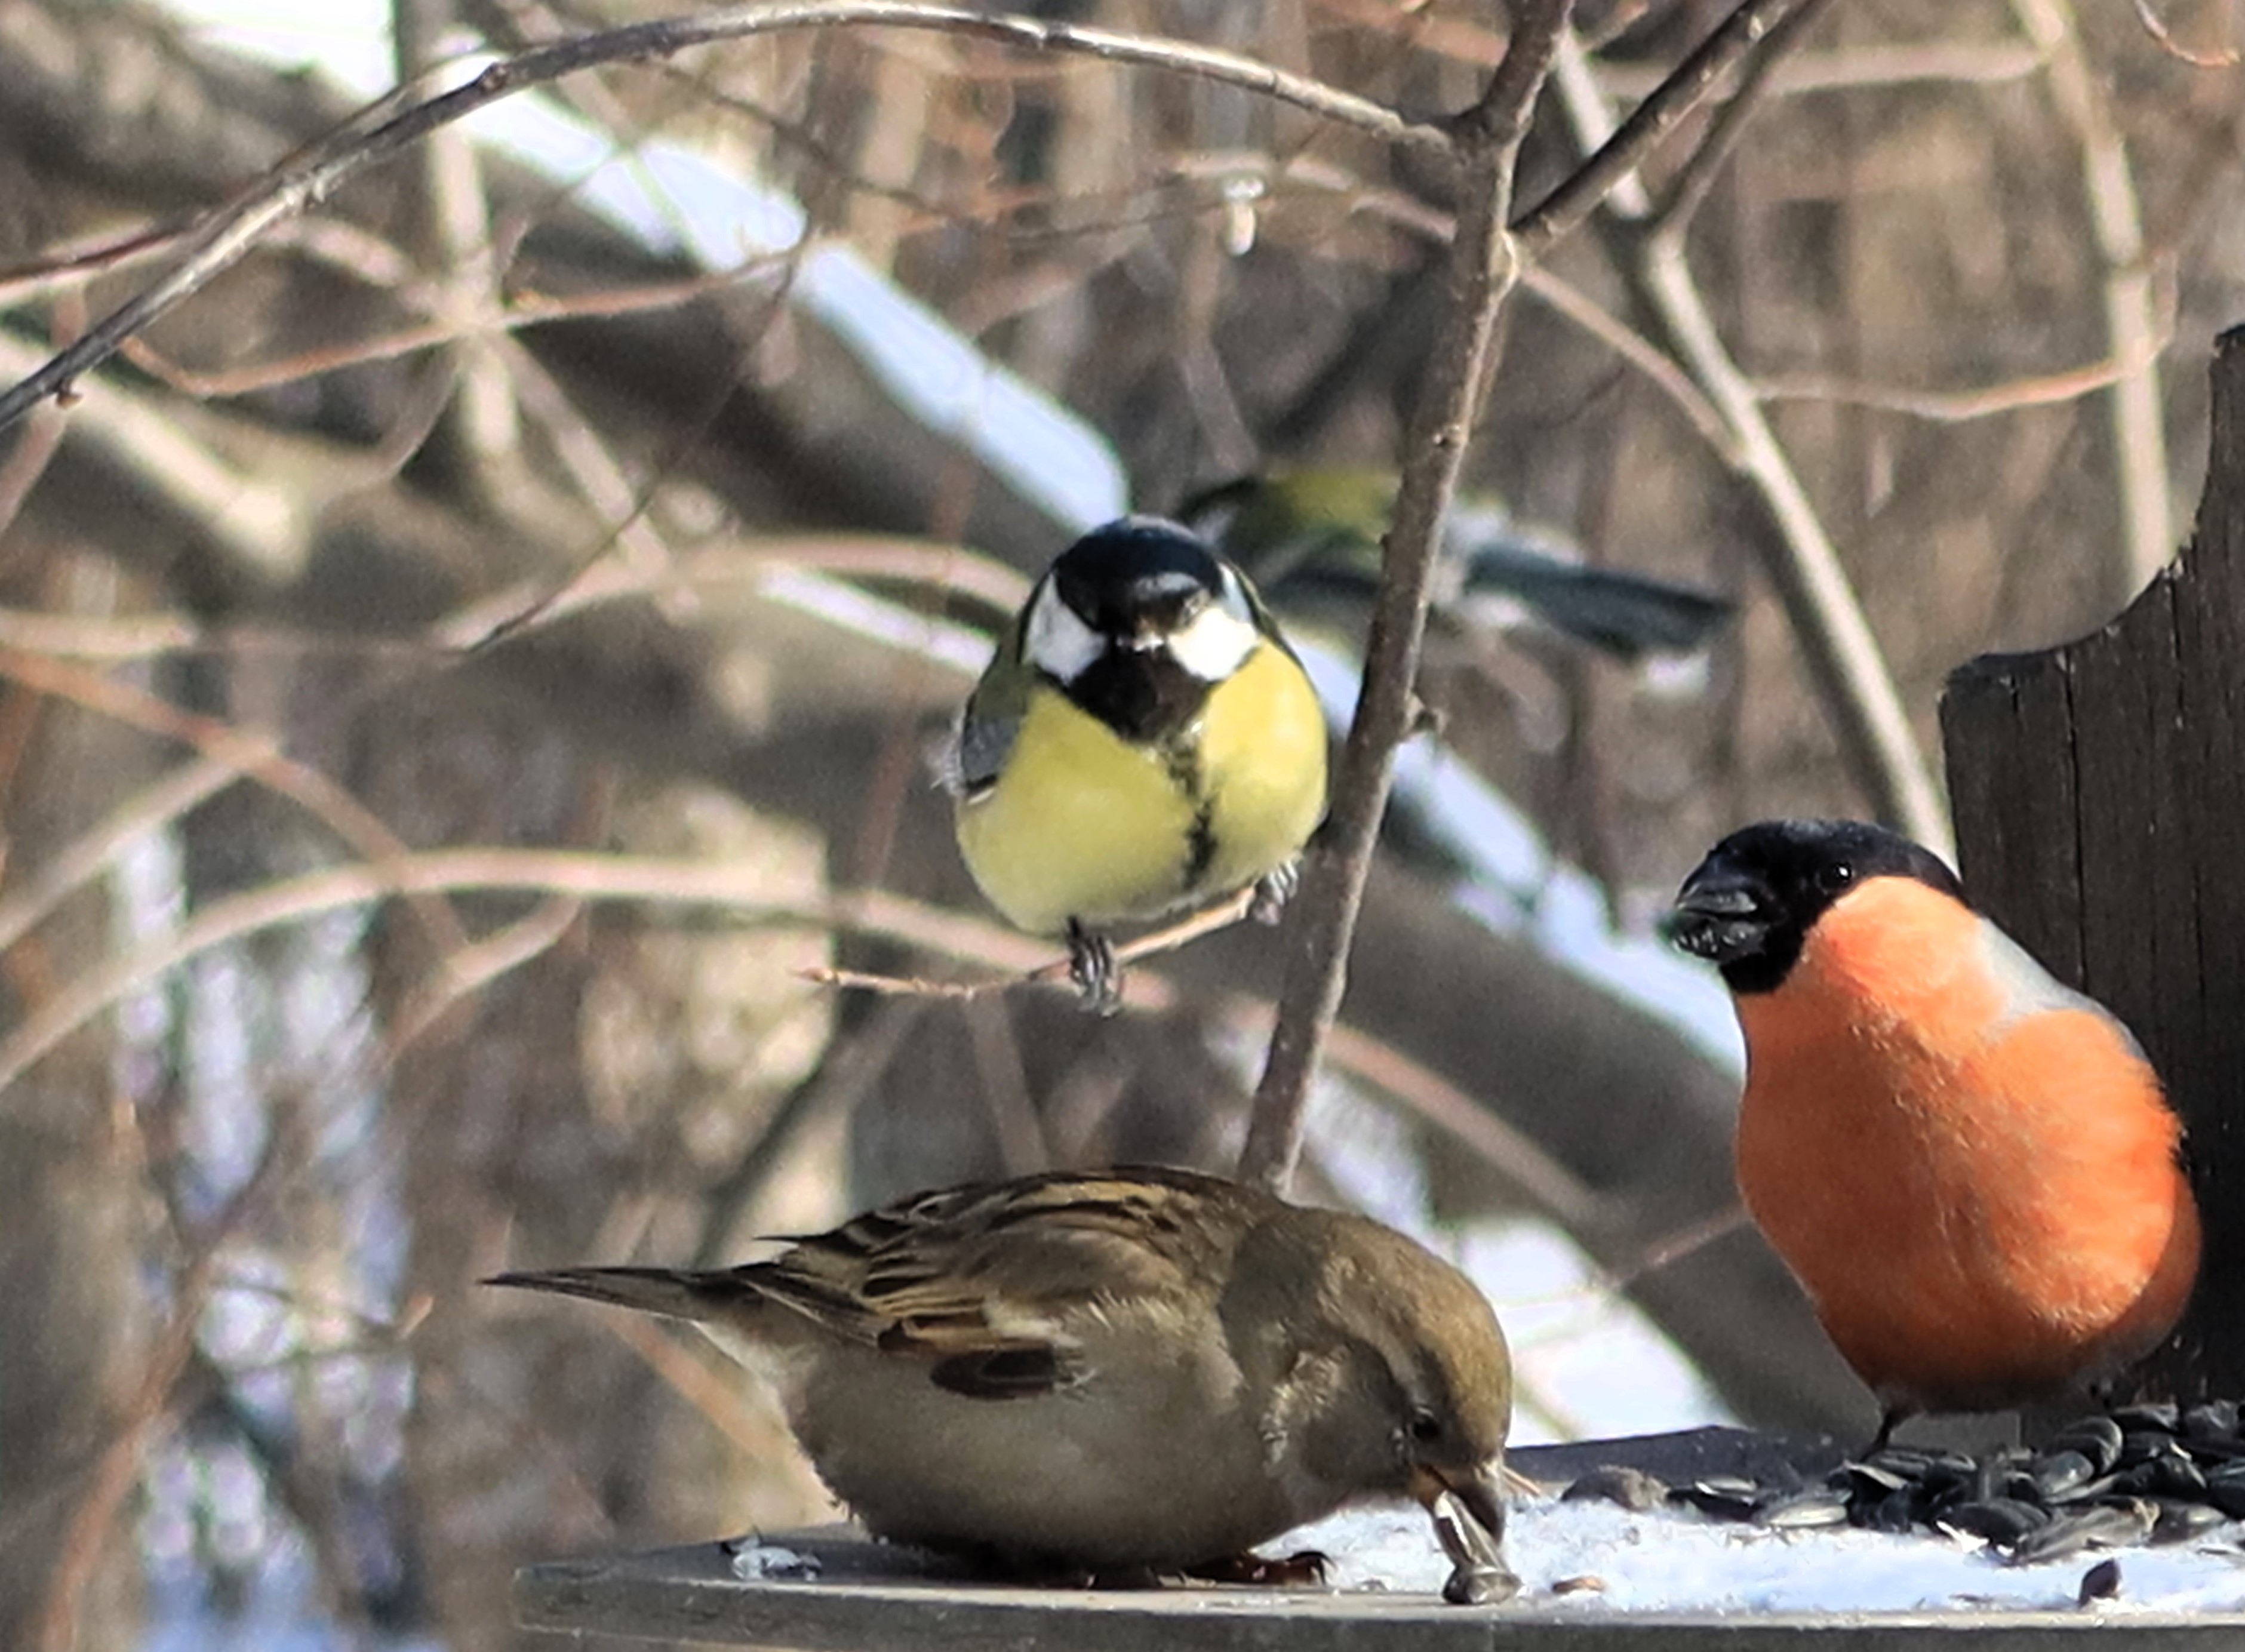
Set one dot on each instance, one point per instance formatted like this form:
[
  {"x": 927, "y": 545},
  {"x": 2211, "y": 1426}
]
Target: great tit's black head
[
  {"x": 1748, "y": 907},
  {"x": 1143, "y": 583},
  {"x": 1137, "y": 620}
]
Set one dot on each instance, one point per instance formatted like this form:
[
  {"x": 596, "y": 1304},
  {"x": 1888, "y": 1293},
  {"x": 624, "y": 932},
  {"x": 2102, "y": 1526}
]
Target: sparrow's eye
[
  {"x": 1426, "y": 1427},
  {"x": 1835, "y": 876}
]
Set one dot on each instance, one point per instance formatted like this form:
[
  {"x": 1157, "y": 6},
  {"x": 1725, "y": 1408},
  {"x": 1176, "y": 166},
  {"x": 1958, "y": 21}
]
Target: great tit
[
  {"x": 1309, "y": 534},
  {"x": 1144, "y": 740}
]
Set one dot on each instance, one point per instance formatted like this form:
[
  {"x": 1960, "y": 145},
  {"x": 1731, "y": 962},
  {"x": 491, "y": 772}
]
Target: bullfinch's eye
[
  {"x": 1834, "y": 877},
  {"x": 1426, "y": 1427}
]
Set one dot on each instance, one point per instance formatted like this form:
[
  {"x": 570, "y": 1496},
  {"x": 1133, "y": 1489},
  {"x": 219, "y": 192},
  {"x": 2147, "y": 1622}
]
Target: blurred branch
[
  {"x": 451, "y": 230},
  {"x": 2155, "y": 26},
  {"x": 580, "y": 875},
  {"x": 242, "y": 754},
  {"x": 1843, "y": 656},
  {"x": 1947, "y": 407},
  {"x": 1858, "y": 68},
  {"x": 90, "y": 1528},
  {"x": 2132, "y": 323},
  {"x": 1484, "y": 266}
]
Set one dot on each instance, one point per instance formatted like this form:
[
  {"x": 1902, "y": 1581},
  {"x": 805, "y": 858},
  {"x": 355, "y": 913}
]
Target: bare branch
[
  {"x": 394, "y": 123},
  {"x": 1208, "y": 921},
  {"x": 1627, "y": 146},
  {"x": 1707, "y": 161},
  {"x": 1484, "y": 265}
]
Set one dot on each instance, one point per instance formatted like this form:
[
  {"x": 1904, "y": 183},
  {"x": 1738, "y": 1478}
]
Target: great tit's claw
[
  {"x": 1091, "y": 965},
  {"x": 1272, "y": 890}
]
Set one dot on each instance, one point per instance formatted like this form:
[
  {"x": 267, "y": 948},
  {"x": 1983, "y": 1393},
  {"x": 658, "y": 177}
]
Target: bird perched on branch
[
  {"x": 1111, "y": 1371},
  {"x": 1971, "y": 1169},
  {"x": 1144, "y": 740},
  {"x": 1308, "y": 534}
]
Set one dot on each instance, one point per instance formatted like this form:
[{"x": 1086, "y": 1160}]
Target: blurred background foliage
[{"x": 434, "y": 742}]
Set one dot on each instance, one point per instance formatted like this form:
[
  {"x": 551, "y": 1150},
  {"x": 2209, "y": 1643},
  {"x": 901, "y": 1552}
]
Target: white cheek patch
[
  {"x": 1215, "y": 645},
  {"x": 1058, "y": 642}
]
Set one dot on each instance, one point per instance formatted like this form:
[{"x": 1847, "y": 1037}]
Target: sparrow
[
  {"x": 1142, "y": 739},
  {"x": 1311, "y": 537},
  {"x": 1112, "y": 1372},
  {"x": 1970, "y": 1167}
]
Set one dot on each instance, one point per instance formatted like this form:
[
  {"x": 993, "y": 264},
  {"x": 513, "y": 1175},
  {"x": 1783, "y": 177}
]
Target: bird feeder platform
[
  {"x": 867, "y": 1600},
  {"x": 871, "y": 1597}
]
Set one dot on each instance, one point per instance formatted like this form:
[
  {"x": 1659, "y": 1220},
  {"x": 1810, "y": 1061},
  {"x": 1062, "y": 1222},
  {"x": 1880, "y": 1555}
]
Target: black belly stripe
[{"x": 1200, "y": 836}]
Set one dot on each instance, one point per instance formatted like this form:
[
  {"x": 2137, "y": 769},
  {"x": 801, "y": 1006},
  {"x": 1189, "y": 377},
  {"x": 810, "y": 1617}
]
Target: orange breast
[{"x": 1977, "y": 1184}]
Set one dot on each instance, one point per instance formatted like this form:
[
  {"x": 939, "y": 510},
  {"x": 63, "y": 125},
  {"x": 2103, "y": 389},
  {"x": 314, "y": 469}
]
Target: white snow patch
[{"x": 1667, "y": 1562}]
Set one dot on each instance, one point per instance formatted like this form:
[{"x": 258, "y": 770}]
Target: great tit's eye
[
  {"x": 1426, "y": 1427},
  {"x": 1834, "y": 877}
]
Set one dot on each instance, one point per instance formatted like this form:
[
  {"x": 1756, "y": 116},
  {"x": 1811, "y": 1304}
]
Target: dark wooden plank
[
  {"x": 2100, "y": 795},
  {"x": 2006, "y": 725}
]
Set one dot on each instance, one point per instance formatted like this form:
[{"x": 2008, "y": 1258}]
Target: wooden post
[{"x": 2100, "y": 795}]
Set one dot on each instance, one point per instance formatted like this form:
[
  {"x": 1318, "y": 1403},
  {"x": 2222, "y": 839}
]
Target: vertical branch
[
  {"x": 2131, "y": 326},
  {"x": 1484, "y": 265}
]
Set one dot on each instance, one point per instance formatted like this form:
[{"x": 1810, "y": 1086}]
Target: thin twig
[
  {"x": 1206, "y": 922},
  {"x": 376, "y": 132},
  {"x": 1691, "y": 185},
  {"x": 1947, "y": 407},
  {"x": 2155, "y": 26},
  {"x": 1627, "y": 145},
  {"x": 1484, "y": 266}
]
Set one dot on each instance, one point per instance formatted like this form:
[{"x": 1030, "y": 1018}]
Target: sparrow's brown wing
[{"x": 991, "y": 1282}]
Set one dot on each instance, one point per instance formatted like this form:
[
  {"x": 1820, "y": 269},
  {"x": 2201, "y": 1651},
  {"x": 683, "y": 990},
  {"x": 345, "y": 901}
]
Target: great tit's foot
[
  {"x": 1302, "y": 1570},
  {"x": 1091, "y": 965},
  {"x": 1272, "y": 890}
]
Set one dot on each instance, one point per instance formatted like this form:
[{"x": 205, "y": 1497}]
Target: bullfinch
[{"x": 1970, "y": 1167}]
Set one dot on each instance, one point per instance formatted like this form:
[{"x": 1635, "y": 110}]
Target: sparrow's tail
[
  {"x": 1626, "y": 614},
  {"x": 672, "y": 1292}
]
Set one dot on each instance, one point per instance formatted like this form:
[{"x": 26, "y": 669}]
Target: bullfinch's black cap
[{"x": 1748, "y": 907}]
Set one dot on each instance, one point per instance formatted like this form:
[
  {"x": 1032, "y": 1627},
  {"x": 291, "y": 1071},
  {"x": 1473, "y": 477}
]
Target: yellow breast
[{"x": 1082, "y": 825}]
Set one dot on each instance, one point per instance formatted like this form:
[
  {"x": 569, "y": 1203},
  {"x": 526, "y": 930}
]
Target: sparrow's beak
[
  {"x": 1480, "y": 1493},
  {"x": 1468, "y": 1514}
]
